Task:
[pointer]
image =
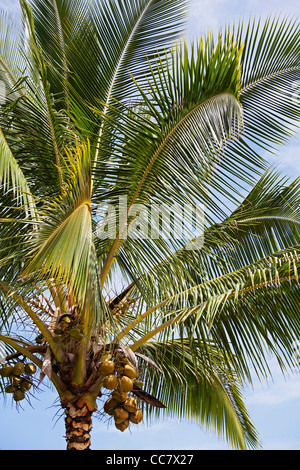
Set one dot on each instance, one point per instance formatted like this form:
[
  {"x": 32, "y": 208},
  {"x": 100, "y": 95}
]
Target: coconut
[
  {"x": 110, "y": 405},
  {"x": 122, "y": 426},
  {"x": 76, "y": 334},
  {"x": 18, "y": 368},
  {"x": 131, "y": 405},
  {"x": 15, "y": 381},
  {"x": 130, "y": 372},
  {"x": 19, "y": 395},
  {"x": 39, "y": 339},
  {"x": 138, "y": 383},
  {"x": 136, "y": 417},
  {"x": 107, "y": 368},
  {"x": 6, "y": 371},
  {"x": 110, "y": 382},
  {"x": 120, "y": 415},
  {"x": 30, "y": 368},
  {"x": 120, "y": 396},
  {"x": 126, "y": 384},
  {"x": 25, "y": 385},
  {"x": 10, "y": 389}
]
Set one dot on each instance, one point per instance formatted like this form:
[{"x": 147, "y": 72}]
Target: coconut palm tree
[{"x": 109, "y": 117}]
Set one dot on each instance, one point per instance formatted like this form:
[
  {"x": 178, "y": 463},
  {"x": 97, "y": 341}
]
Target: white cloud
[{"x": 211, "y": 14}]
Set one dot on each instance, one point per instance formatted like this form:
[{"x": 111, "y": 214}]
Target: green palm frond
[
  {"x": 270, "y": 70},
  {"x": 203, "y": 390},
  {"x": 12, "y": 177}
]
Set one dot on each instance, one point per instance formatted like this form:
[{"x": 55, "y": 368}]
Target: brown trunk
[{"x": 78, "y": 427}]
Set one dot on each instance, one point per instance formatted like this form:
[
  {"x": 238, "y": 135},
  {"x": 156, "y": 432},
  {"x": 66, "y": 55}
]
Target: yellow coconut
[
  {"x": 130, "y": 372},
  {"x": 131, "y": 405},
  {"x": 122, "y": 426},
  {"x": 120, "y": 396},
  {"x": 126, "y": 384},
  {"x": 107, "y": 368},
  {"x": 110, "y": 405},
  {"x": 136, "y": 417},
  {"x": 110, "y": 382},
  {"x": 120, "y": 415}
]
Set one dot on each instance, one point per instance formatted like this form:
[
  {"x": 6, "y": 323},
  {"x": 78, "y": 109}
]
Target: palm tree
[{"x": 102, "y": 105}]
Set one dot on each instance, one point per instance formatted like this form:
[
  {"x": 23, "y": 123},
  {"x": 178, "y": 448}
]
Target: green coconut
[{"x": 76, "y": 334}]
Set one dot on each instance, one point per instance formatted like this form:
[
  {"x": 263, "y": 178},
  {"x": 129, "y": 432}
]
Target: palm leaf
[{"x": 206, "y": 394}]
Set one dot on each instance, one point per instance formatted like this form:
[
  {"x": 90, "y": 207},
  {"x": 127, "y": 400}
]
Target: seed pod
[
  {"x": 130, "y": 372},
  {"x": 131, "y": 405},
  {"x": 18, "y": 369},
  {"x": 107, "y": 368},
  {"x": 25, "y": 385},
  {"x": 120, "y": 415},
  {"x": 10, "y": 389},
  {"x": 121, "y": 397},
  {"x": 19, "y": 395},
  {"x": 122, "y": 426},
  {"x": 6, "y": 371},
  {"x": 110, "y": 405},
  {"x": 126, "y": 384},
  {"x": 136, "y": 417},
  {"x": 110, "y": 382},
  {"x": 30, "y": 368}
]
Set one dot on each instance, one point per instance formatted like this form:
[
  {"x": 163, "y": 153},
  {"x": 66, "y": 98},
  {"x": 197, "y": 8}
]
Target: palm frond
[{"x": 200, "y": 389}]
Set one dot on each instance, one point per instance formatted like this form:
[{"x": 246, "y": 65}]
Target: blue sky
[{"x": 274, "y": 407}]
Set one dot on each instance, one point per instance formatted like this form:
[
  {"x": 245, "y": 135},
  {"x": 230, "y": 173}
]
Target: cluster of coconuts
[
  {"x": 18, "y": 376},
  {"x": 67, "y": 331},
  {"x": 119, "y": 378}
]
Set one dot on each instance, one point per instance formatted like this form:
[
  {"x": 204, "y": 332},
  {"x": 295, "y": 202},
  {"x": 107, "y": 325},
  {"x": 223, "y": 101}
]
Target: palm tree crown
[{"x": 104, "y": 105}]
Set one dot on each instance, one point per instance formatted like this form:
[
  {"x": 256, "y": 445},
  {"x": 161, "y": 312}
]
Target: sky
[{"x": 274, "y": 407}]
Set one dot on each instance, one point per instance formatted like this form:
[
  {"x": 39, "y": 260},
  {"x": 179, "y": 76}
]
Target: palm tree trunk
[{"x": 78, "y": 423}]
